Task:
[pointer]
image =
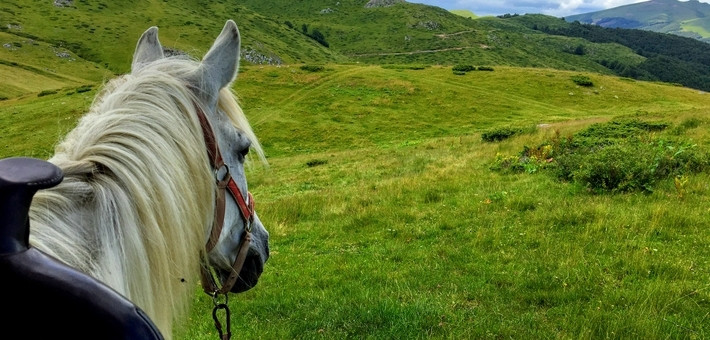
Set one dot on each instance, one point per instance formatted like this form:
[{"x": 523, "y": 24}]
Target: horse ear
[
  {"x": 148, "y": 49},
  {"x": 220, "y": 64}
]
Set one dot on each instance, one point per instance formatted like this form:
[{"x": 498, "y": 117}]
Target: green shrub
[
  {"x": 312, "y": 68},
  {"x": 615, "y": 168},
  {"x": 316, "y": 162},
  {"x": 614, "y": 131},
  {"x": 637, "y": 165},
  {"x": 46, "y": 93},
  {"x": 499, "y": 134},
  {"x": 485, "y": 68},
  {"x": 85, "y": 88},
  {"x": 618, "y": 156},
  {"x": 582, "y": 81},
  {"x": 463, "y": 68},
  {"x": 503, "y": 133}
]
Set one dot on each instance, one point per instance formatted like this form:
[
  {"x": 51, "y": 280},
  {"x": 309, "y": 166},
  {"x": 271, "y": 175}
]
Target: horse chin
[{"x": 250, "y": 273}]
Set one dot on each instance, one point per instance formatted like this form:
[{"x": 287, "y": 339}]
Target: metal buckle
[{"x": 224, "y": 171}]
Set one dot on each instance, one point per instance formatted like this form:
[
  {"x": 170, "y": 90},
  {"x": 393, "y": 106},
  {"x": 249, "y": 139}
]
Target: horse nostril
[{"x": 250, "y": 273}]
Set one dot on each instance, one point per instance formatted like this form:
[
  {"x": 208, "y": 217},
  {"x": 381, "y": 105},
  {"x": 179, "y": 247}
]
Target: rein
[{"x": 225, "y": 183}]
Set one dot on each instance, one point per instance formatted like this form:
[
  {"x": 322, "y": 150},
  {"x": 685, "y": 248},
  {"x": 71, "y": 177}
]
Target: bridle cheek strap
[{"x": 246, "y": 209}]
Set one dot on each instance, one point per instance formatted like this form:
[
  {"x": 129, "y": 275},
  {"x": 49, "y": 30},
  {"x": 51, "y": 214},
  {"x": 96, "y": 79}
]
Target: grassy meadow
[{"x": 387, "y": 220}]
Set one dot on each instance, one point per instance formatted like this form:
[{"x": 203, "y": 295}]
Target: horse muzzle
[{"x": 249, "y": 274}]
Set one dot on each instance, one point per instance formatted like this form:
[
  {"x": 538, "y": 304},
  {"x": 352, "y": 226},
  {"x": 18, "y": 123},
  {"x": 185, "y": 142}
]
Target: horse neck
[
  {"x": 106, "y": 238},
  {"x": 140, "y": 236},
  {"x": 91, "y": 235}
]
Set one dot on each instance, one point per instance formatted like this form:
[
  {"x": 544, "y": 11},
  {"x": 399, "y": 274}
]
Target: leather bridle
[{"x": 225, "y": 183}]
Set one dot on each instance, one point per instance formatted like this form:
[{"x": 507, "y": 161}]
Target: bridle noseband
[{"x": 225, "y": 183}]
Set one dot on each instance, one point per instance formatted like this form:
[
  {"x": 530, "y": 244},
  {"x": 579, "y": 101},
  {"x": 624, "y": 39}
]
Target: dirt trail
[
  {"x": 442, "y": 36},
  {"x": 411, "y": 52},
  {"x": 445, "y": 35}
]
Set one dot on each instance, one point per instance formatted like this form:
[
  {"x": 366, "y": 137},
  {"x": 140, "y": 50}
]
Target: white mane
[{"x": 138, "y": 195}]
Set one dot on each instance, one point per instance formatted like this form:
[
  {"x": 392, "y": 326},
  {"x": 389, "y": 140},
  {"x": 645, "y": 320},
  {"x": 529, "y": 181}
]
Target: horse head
[{"x": 237, "y": 243}]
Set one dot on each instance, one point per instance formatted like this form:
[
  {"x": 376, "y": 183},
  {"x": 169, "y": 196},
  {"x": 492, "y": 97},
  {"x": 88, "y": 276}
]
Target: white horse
[{"x": 139, "y": 208}]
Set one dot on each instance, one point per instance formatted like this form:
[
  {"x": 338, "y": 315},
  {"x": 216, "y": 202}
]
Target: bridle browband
[{"x": 225, "y": 183}]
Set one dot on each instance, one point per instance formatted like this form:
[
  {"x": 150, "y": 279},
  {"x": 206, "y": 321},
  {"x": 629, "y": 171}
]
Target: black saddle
[{"x": 42, "y": 298}]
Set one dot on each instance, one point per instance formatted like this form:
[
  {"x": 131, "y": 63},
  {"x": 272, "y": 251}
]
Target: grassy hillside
[
  {"x": 98, "y": 38},
  {"x": 387, "y": 220},
  {"x": 415, "y": 33},
  {"x": 102, "y": 35},
  {"x": 684, "y": 18},
  {"x": 101, "y": 31},
  {"x": 31, "y": 66}
]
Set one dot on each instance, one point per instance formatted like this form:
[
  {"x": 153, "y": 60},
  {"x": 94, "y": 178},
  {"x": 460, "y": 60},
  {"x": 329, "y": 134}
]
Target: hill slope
[
  {"x": 686, "y": 18},
  {"x": 99, "y": 37},
  {"x": 387, "y": 221},
  {"x": 666, "y": 57},
  {"x": 105, "y": 33},
  {"x": 416, "y": 33}
]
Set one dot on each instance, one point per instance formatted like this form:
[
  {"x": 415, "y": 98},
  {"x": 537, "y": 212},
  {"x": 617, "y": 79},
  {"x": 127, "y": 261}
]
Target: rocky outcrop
[
  {"x": 255, "y": 57},
  {"x": 63, "y": 3},
  {"x": 383, "y": 3}
]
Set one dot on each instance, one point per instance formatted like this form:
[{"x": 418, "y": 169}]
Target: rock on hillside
[{"x": 383, "y": 3}]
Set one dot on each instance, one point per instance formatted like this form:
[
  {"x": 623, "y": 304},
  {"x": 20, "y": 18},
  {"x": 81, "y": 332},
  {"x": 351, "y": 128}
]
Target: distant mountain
[
  {"x": 665, "y": 57},
  {"x": 685, "y": 18}
]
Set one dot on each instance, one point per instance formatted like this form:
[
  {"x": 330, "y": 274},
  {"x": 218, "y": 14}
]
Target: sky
[{"x": 558, "y": 8}]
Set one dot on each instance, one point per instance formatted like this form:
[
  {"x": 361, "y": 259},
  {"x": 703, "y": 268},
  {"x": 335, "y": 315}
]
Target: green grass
[
  {"x": 387, "y": 222},
  {"x": 100, "y": 31}
]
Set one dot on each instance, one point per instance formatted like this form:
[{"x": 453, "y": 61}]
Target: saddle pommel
[{"x": 20, "y": 179}]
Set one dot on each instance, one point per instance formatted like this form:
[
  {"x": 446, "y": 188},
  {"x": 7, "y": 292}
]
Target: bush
[
  {"x": 312, "y": 68},
  {"x": 463, "y": 68},
  {"x": 85, "y": 88},
  {"x": 319, "y": 37},
  {"x": 616, "y": 168},
  {"x": 485, "y": 68},
  {"x": 46, "y": 93},
  {"x": 499, "y": 134},
  {"x": 582, "y": 81},
  {"x": 607, "y": 133},
  {"x": 619, "y": 156},
  {"x": 316, "y": 162},
  {"x": 580, "y": 50}
]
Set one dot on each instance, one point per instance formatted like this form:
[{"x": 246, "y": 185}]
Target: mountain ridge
[{"x": 684, "y": 18}]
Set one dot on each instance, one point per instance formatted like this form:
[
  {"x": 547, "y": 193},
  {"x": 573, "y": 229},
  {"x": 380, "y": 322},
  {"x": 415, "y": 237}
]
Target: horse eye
[{"x": 244, "y": 151}]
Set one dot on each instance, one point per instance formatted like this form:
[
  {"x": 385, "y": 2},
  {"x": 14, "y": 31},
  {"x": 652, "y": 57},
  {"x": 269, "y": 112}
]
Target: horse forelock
[{"x": 137, "y": 196}]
